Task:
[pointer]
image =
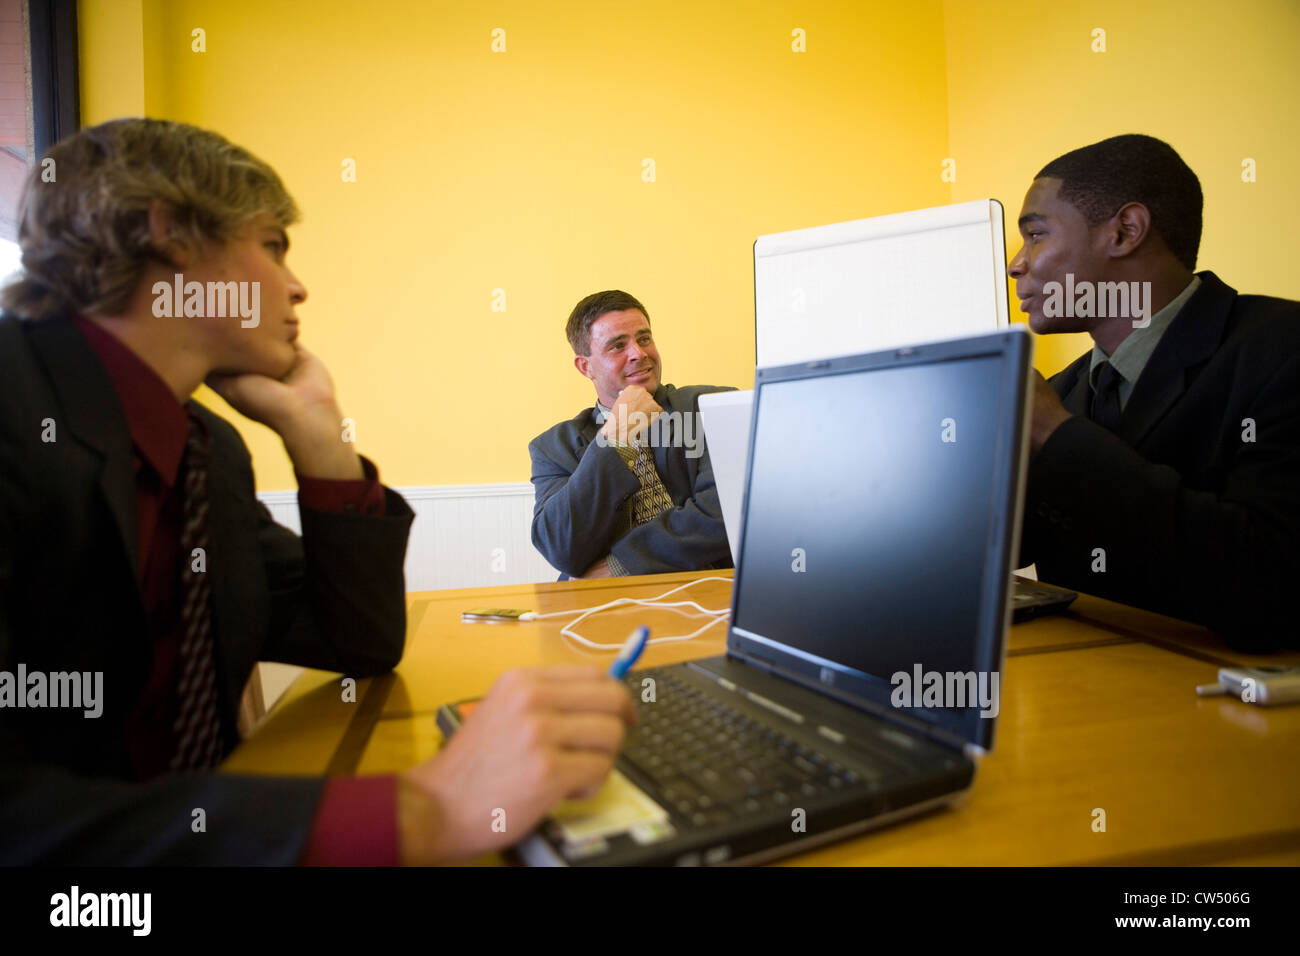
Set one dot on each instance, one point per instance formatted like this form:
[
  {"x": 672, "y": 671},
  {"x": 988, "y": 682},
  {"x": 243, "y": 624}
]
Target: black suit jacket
[
  {"x": 583, "y": 490},
  {"x": 1195, "y": 500},
  {"x": 70, "y": 601}
]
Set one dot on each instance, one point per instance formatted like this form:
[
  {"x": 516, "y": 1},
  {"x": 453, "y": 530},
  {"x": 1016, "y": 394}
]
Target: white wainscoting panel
[{"x": 463, "y": 536}]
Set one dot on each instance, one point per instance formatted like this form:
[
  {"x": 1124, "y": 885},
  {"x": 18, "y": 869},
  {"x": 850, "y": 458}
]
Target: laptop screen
[{"x": 876, "y": 531}]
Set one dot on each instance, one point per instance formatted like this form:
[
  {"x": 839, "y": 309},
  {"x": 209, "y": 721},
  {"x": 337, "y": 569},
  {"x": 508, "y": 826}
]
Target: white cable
[
  {"x": 657, "y": 601},
  {"x": 533, "y": 615},
  {"x": 568, "y": 631}
]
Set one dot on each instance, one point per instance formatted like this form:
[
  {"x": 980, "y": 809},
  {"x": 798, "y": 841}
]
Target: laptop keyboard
[{"x": 713, "y": 764}]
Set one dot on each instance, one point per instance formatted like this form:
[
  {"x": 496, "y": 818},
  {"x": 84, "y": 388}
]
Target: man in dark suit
[
  {"x": 1166, "y": 462},
  {"x": 140, "y": 579},
  {"x": 626, "y": 487}
]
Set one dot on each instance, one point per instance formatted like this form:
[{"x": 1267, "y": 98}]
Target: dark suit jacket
[
  {"x": 1196, "y": 519},
  {"x": 70, "y": 601},
  {"x": 583, "y": 491}
]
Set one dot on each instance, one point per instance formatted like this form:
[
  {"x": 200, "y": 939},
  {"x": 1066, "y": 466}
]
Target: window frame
[{"x": 52, "y": 46}]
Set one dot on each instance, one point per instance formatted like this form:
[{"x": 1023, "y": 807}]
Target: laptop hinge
[{"x": 890, "y": 715}]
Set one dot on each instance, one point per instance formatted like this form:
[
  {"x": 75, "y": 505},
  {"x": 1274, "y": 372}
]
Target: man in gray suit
[{"x": 626, "y": 487}]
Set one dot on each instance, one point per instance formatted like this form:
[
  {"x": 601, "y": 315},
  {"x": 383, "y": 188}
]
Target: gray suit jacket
[
  {"x": 1195, "y": 499},
  {"x": 584, "y": 490}
]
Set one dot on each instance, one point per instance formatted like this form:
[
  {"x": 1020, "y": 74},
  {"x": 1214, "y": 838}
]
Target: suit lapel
[
  {"x": 587, "y": 429},
  {"x": 1191, "y": 338},
  {"x": 92, "y": 414},
  {"x": 1077, "y": 394}
]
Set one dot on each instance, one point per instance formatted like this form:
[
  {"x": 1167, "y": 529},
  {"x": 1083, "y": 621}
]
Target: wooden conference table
[{"x": 1098, "y": 710}]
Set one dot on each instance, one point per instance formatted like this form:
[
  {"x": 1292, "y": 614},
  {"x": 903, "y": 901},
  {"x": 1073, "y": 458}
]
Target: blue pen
[{"x": 631, "y": 651}]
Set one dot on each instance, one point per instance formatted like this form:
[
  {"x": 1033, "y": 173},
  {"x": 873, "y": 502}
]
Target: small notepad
[{"x": 618, "y": 807}]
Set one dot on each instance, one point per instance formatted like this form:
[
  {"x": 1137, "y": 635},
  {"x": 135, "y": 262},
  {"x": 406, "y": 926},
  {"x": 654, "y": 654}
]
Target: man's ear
[
  {"x": 1128, "y": 229},
  {"x": 165, "y": 239},
  {"x": 583, "y": 364}
]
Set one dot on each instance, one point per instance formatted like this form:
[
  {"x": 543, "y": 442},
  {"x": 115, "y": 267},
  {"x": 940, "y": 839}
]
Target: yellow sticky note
[{"x": 616, "y": 808}]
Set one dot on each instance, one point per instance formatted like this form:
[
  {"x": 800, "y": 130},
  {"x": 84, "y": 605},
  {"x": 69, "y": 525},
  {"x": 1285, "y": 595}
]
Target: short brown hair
[
  {"x": 586, "y": 312},
  {"x": 84, "y": 233}
]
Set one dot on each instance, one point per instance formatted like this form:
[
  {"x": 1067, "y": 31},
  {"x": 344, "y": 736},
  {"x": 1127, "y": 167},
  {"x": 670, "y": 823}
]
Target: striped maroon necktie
[{"x": 198, "y": 721}]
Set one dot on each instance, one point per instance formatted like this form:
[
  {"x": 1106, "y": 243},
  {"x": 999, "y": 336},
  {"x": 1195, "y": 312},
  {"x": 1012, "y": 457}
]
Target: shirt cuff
[
  {"x": 616, "y": 567},
  {"x": 355, "y": 824},
  {"x": 627, "y": 453},
  {"x": 363, "y": 496}
]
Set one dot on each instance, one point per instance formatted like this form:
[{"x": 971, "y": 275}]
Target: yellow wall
[
  {"x": 1218, "y": 81},
  {"x": 522, "y": 171},
  {"x": 110, "y": 37}
]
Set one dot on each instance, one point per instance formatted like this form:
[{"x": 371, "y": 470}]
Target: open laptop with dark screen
[
  {"x": 853, "y": 692},
  {"x": 726, "y": 420}
]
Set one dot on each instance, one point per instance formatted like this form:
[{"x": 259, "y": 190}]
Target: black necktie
[
  {"x": 198, "y": 721},
  {"x": 1105, "y": 398}
]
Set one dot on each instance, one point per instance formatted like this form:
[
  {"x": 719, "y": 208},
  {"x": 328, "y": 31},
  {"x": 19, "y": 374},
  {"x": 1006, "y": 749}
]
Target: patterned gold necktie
[{"x": 652, "y": 498}]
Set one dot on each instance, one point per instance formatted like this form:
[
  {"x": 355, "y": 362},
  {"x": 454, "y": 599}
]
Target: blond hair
[{"x": 84, "y": 232}]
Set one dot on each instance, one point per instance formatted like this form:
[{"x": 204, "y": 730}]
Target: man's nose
[{"x": 1016, "y": 268}]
